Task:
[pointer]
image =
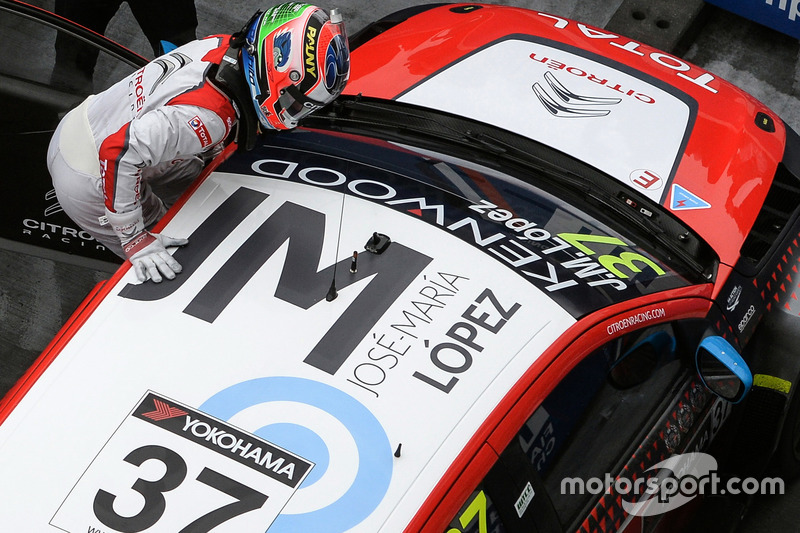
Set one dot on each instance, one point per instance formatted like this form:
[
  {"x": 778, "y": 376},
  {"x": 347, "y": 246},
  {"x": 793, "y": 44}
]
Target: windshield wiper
[{"x": 581, "y": 183}]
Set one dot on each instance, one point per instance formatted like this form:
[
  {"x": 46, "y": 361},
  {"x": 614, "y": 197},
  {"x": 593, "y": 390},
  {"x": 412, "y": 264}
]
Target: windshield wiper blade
[{"x": 399, "y": 122}]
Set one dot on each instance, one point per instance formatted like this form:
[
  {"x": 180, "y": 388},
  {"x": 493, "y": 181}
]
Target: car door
[
  {"x": 611, "y": 408},
  {"x": 47, "y": 66}
]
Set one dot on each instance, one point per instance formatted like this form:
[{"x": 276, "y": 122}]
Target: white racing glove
[{"x": 146, "y": 251}]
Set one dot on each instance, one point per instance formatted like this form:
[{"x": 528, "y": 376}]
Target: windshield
[{"x": 573, "y": 254}]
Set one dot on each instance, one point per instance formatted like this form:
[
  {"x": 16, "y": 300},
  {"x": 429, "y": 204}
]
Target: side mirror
[{"x": 722, "y": 369}]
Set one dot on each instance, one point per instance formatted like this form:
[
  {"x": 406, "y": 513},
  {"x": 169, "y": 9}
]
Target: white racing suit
[{"x": 131, "y": 150}]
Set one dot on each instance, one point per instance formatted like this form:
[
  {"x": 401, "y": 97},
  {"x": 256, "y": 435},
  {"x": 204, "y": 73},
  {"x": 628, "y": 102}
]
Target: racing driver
[{"x": 122, "y": 157}]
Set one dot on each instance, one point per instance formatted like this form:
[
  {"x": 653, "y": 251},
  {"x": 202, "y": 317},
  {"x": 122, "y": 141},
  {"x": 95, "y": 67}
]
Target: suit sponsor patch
[{"x": 201, "y": 131}]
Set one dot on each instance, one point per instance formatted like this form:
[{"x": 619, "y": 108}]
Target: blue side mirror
[{"x": 722, "y": 369}]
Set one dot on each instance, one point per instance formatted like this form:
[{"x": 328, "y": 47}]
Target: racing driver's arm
[{"x": 161, "y": 135}]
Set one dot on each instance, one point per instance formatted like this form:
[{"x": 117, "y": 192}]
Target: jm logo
[
  {"x": 563, "y": 103},
  {"x": 300, "y": 283}
]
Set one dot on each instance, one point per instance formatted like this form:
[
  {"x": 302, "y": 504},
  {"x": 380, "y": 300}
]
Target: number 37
[{"x": 247, "y": 499}]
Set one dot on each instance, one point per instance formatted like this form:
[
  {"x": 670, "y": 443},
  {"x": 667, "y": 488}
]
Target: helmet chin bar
[{"x": 293, "y": 106}]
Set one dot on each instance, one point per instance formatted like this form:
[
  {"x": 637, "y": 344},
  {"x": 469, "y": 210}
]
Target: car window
[
  {"x": 46, "y": 55},
  {"x": 628, "y": 404},
  {"x": 599, "y": 410},
  {"x": 36, "y": 91},
  {"x": 589, "y": 425}
]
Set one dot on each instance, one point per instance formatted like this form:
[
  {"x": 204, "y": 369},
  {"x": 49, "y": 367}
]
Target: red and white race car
[{"x": 519, "y": 269}]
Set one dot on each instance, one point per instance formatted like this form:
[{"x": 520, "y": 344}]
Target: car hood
[{"x": 690, "y": 141}]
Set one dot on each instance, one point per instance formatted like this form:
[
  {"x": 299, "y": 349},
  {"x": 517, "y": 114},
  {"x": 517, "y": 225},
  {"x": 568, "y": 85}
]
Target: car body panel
[{"x": 453, "y": 280}]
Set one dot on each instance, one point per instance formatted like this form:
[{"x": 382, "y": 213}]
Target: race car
[{"x": 522, "y": 276}]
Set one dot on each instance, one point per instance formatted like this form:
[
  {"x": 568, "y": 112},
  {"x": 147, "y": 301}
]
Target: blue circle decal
[
  {"x": 374, "y": 450},
  {"x": 301, "y": 441}
]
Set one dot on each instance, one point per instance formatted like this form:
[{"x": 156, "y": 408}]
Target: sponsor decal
[
  {"x": 163, "y": 410},
  {"x": 282, "y": 49},
  {"x": 683, "y": 200},
  {"x": 521, "y": 505},
  {"x": 646, "y": 179},
  {"x": 681, "y": 68},
  {"x": 128, "y": 229},
  {"x": 337, "y": 61},
  {"x": 310, "y": 55},
  {"x": 47, "y": 231},
  {"x": 428, "y": 302},
  {"x": 478, "y": 514},
  {"x": 746, "y": 318},
  {"x": 465, "y": 9},
  {"x": 369, "y": 462},
  {"x": 171, "y": 467},
  {"x": 310, "y": 51},
  {"x": 301, "y": 286},
  {"x": 733, "y": 298},
  {"x": 168, "y": 67},
  {"x": 143, "y": 240},
  {"x": 566, "y": 104},
  {"x": 484, "y": 317},
  {"x": 200, "y": 130},
  {"x": 136, "y": 93},
  {"x": 635, "y": 320},
  {"x": 54, "y": 235}
]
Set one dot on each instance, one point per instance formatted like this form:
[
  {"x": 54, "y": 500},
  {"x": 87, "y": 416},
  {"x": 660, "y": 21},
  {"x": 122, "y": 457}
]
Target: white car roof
[{"x": 216, "y": 372}]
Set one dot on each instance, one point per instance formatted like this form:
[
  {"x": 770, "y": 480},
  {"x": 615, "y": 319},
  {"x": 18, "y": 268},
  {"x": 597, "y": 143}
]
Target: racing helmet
[{"x": 296, "y": 60}]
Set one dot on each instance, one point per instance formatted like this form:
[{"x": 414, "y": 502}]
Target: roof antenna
[{"x": 332, "y": 292}]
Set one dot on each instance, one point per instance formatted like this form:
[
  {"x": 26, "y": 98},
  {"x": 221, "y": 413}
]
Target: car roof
[
  {"x": 418, "y": 347},
  {"x": 249, "y": 361}
]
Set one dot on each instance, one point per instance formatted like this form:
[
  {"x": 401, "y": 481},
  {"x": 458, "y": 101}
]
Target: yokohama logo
[
  {"x": 163, "y": 411},
  {"x": 220, "y": 437}
]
